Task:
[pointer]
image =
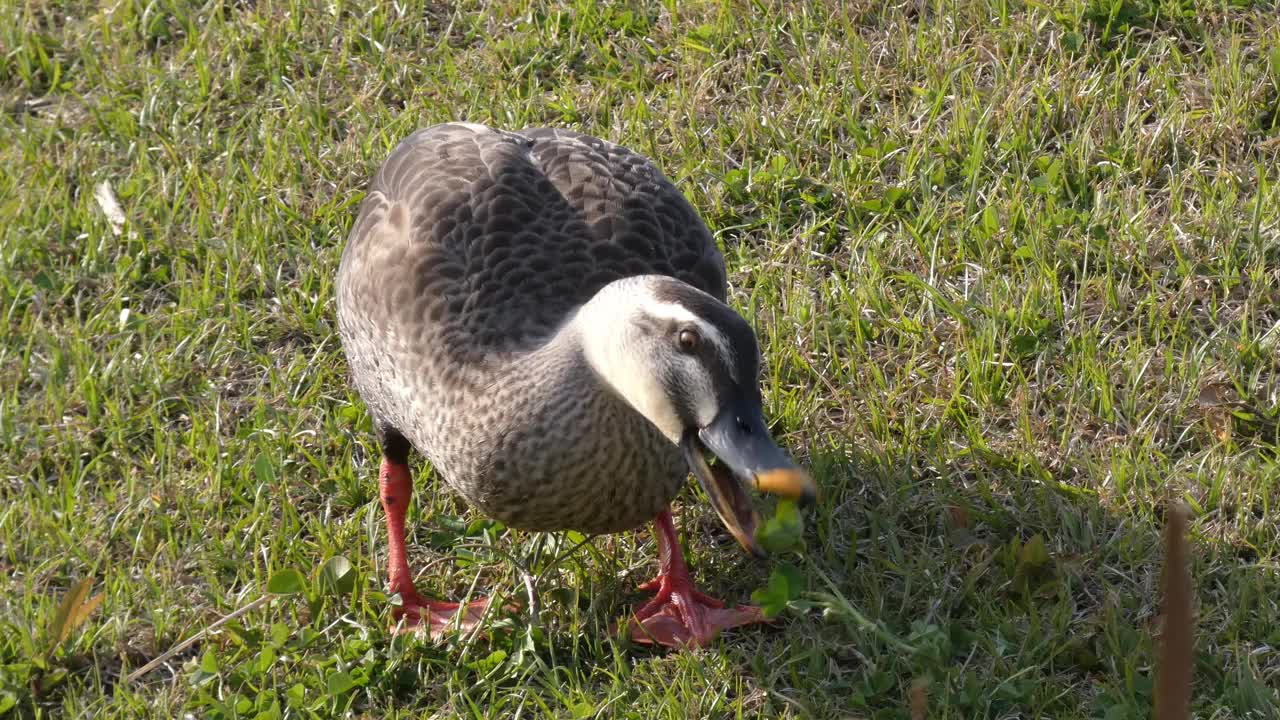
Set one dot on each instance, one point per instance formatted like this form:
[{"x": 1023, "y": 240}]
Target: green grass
[{"x": 1015, "y": 267}]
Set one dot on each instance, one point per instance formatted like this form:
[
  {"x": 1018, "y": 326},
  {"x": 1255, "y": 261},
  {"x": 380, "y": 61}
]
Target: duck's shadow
[{"x": 991, "y": 583}]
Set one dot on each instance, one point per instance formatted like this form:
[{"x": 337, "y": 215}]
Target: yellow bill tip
[{"x": 792, "y": 483}]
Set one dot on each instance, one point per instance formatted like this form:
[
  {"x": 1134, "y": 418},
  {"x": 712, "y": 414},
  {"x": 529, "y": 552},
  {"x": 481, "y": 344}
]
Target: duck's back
[{"x": 473, "y": 240}]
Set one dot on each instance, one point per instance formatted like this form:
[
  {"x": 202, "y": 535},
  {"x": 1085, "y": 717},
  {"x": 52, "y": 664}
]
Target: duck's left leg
[{"x": 680, "y": 615}]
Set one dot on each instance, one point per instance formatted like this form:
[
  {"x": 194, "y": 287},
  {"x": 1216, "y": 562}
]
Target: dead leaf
[
  {"x": 1216, "y": 395},
  {"x": 72, "y": 612},
  {"x": 918, "y": 699},
  {"x": 106, "y": 198}
]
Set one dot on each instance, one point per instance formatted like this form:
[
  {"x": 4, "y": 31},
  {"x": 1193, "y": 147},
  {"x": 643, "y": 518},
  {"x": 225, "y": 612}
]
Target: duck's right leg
[
  {"x": 680, "y": 615},
  {"x": 415, "y": 613}
]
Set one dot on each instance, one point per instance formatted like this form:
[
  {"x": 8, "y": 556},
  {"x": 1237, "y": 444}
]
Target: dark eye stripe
[
  {"x": 737, "y": 334},
  {"x": 723, "y": 375},
  {"x": 682, "y": 399}
]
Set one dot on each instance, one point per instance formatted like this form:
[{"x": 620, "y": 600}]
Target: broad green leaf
[
  {"x": 485, "y": 665},
  {"x": 286, "y": 582},
  {"x": 51, "y": 679},
  {"x": 336, "y": 575},
  {"x": 1024, "y": 344},
  {"x": 271, "y": 713},
  {"x": 207, "y": 670},
  {"x": 264, "y": 470},
  {"x": 266, "y": 658},
  {"x": 209, "y": 662},
  {"x": 1034, "y": 555},
  {"x": 339, "y": 683},
  {"x": 279, "y": 634},
  {"x": 784, "y": 531},
  {"x": 990, "y": 222},
  {"x": 786, "y": 583}
]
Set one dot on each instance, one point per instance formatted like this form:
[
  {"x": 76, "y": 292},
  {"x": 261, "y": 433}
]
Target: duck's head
[{"x": 690, "y": 364}]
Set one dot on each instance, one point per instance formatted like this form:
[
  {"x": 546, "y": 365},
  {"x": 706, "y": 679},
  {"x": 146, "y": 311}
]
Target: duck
[{"x": 542, "y": 315}]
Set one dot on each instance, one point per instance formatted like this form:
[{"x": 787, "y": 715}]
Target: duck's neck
[
  {"x": 586, "y": 372},
  {"x": 565, "y": 370},
  {"x": 554, "y": 446},
  {"x": 554, "y": 396},
  {"x": 536, "y": 385}
]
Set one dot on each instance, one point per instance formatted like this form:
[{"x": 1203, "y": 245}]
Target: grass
[{"x": 1015, "y": 267}]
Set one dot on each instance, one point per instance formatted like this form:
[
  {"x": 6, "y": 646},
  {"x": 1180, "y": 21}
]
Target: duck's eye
[{"x": 688, "y": 340}]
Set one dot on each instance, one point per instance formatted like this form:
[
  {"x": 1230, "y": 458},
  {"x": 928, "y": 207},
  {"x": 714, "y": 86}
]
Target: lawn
[{"x": 1015, "y": 268}]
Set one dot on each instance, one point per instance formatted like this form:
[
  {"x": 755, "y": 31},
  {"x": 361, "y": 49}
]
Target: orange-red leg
[
  {"x": 680, "y": 615},
  {"x": 395, "y": 485}
]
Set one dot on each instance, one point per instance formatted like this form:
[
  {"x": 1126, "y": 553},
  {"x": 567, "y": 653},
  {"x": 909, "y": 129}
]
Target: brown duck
[{"x": 542, "y": 315}]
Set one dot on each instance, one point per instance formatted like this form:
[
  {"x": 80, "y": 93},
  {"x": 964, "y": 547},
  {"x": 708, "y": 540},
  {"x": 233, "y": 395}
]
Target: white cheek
[
  {"x": 660, "y": 411},
  {"x": 636, "y": 383}
]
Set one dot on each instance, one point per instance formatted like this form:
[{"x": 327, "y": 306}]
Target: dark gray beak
[{"x": 741, "y": 442}]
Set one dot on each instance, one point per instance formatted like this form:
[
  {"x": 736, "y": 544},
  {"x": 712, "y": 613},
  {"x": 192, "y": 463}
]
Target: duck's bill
[{"x": 746, "y": 455}]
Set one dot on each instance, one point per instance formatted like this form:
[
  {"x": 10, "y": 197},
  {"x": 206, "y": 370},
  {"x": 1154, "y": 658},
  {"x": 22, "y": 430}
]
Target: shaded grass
[{"x": 1016, "y": 271}]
